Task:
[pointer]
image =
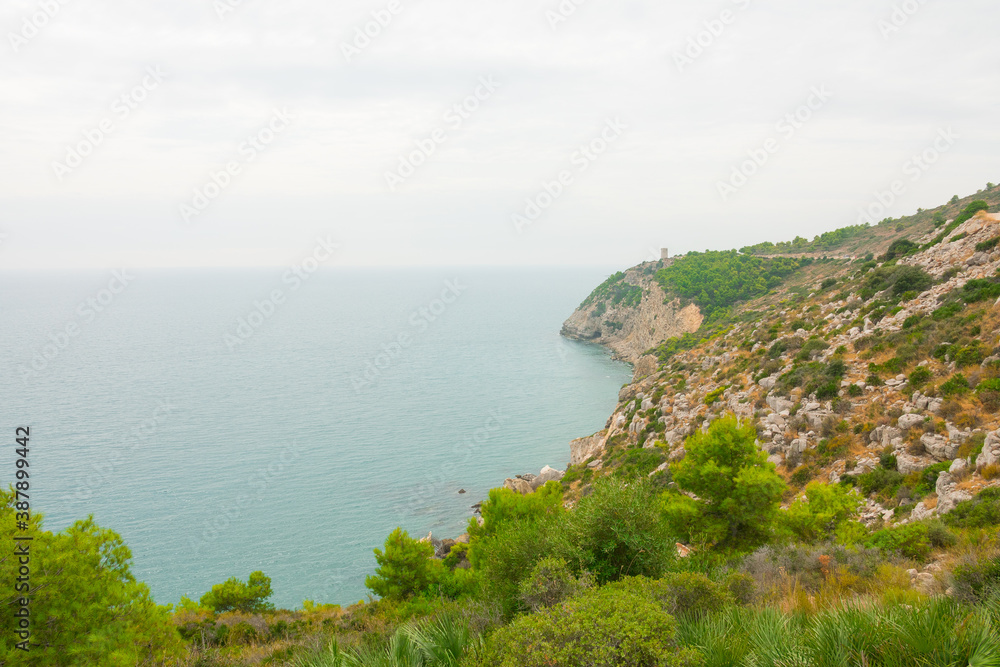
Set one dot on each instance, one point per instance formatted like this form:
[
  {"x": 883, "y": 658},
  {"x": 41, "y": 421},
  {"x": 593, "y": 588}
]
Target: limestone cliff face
[{"x": 630, "y": 330}]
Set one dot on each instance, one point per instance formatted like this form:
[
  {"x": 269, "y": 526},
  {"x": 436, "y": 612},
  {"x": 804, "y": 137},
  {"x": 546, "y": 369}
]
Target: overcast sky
[{"x": 886, "y": 80}]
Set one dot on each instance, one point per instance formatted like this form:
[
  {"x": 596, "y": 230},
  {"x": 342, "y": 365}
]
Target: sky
[{"x": 175, "y": 133}]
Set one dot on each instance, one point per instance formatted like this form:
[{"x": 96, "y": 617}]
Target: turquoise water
[{"x": 293, "y": 442}]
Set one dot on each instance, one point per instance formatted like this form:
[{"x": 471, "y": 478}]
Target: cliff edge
[{"x": 630, "y": 314}]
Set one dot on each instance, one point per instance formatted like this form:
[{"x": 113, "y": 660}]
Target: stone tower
[{"x": 664, "y": 253}]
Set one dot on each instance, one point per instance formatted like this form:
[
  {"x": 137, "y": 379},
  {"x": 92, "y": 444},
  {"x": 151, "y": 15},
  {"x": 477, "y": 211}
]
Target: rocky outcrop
[
  {"x": 948, "y": 495},
  {"x": 582, "y": 449},
  {"x": 629, "y": 331},
  {"x": 991, "y": 451}
]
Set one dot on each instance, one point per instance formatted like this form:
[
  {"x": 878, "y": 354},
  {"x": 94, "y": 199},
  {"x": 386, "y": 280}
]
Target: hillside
[{"x": 861, "y": 367}]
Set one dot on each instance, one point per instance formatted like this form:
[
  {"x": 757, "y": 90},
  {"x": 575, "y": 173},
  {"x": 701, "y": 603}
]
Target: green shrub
[
  {"x": 607, "y": 627},
  {"x": 919, "y": 377},
  {"x": 821, "y": 512},
  {"x": 406, "y": 568},
  {"x": 899, "y": 248},
  {"x": 911, "y": 540},
  {"x": 983, "y": 511},
  {"x": 955, "y": 386},
  {"x": 929, "y": 477},
  {"x": 738, "y": 489},
  {"x": 946, "y": 311},
  {"x": 986, "y": 246},
  {"x": 879, "y": 480},
  {"x": 617, "y": 531},
  {"x": 977, "y": 579},
  {"x": 898, "y": 279},
  {"x": 713, "y": 396},
  {"x": 685, "y": 593},
  {"x": 550, "y": 582},
  {"x": 979, "y": 289}
]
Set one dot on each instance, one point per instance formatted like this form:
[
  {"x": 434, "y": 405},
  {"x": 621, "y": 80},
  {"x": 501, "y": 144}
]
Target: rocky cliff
[
  {"x": 630, "y": 314},
  {"x": 882, "y": 371}
]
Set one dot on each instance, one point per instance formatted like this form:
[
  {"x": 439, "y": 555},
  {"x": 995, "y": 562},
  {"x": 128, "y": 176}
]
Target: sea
[{"x": 228, "y": 421}]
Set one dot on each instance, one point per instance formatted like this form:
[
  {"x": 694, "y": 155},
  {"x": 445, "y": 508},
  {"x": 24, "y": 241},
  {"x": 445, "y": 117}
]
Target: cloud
[{"x": 355, "y": 117}]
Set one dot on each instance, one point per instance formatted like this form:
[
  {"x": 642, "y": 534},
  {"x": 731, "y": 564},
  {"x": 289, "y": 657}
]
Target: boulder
[
  {"x": 444, "y": 548},
  {"x": 939, "y": 447},
  {"x": 518, "y": 485},
  {"x": 958, "y": 467},
  {"x": 779, "y": 403},
  {"x": 921, "y": 512},
  {"x": 905, "y": 463},
  {"x": 948, "y": 495},
  {"x": 582, "y": 449},
  {"x": 991, "y": 451},
  {"x": 906, "y": 422},
  {"x": 768, "y": 383},
  {"x": 548, "y": 474}
]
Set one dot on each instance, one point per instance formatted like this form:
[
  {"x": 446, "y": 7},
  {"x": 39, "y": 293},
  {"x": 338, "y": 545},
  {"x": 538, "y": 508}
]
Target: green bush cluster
[
  {"x": 825, "y": 241},
  {"x": 717, "y": 280}
]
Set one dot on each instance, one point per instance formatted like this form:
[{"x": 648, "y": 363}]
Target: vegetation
[
  {"x": 824, "y": 242},
  {"x": 615, "y": 290},
  {"x": 87, "y": 608},
  {"x": 737, "y": 490},
  {"x": 715, "y": 281}
]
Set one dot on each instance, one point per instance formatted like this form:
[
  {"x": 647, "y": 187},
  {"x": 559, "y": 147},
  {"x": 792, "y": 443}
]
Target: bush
[
  {"x": 977, "y": 579},
  {"x": 821, "y": 512},
  {"x": 986, "y": 246},
  {"x": 86, "y": 606},
  {"x": 550, "y": 582},
  {"x": 955, "y": 386},
  {"x": 738, "y": 490},
  {"x": 879, "y": 480},
  {"x": 947, "y": 311},
  {"x": 912, "y": 540},
  {"x": 405, "y": 569},
  {"x": 983, "y": 511},
  {"x": 898, "y": 279},
  {"x": 617, "y": 531},
  {"x": 689, "y": 594},
  {"x": 920, "y": 376},
  {"x": 979, "y": 289},
  {"x": 607, "y": 627}
]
